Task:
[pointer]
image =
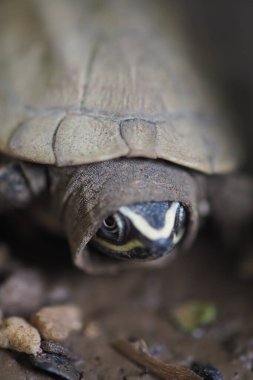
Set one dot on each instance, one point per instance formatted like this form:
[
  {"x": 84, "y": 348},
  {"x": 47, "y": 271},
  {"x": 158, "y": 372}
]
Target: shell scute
[
  {"x": 199, "y": 144},
  {"x": 34, "y": 139},
  {"x": 83, "y": 139},
  {"x": 140, "y": 137}
]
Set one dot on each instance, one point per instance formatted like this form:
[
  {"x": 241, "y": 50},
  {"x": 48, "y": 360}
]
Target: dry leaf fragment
[{"x": 156, "y": 367}]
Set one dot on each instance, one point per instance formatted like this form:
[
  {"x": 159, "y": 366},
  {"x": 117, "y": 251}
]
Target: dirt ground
[{"x": 139, "y": 304}]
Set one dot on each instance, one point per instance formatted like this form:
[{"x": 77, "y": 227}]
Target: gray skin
[{"x": 80, "y": 198}]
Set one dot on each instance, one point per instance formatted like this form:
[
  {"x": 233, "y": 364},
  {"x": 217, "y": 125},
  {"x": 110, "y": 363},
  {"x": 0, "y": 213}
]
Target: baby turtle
[{"x": 104, "y": 112}]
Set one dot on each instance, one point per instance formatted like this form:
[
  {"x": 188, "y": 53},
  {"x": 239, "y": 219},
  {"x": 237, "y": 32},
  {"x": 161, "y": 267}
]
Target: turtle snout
[{"x": 157, "y": 249}]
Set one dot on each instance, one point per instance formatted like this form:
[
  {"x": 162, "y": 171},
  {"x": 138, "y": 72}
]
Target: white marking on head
[
  {"x": 177, "y": 237},
  {"x": 146, "y": 229}
]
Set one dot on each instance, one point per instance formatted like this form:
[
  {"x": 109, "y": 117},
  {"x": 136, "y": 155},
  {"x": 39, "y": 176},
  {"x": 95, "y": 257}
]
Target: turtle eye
[
  {"x": 113, "y": 227},
  {"x": 110, "y": 224}
]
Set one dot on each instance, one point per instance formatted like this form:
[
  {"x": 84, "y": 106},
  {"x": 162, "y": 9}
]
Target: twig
[{"x": 155, "y": 366}]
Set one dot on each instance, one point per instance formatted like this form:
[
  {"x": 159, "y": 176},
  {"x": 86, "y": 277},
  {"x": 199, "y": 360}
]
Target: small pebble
[
  {"x": 57, "y": 348},
  {"x": 58, "y": 294},
  {"x": 17, "y": 334},
  {"x": 207, "y": 372},
  {"x": 22, "y": 293},
  {"x": 56, "y": 365},
  {"x": 92, "y": 330},
  {"x": 56, "y": 322}
]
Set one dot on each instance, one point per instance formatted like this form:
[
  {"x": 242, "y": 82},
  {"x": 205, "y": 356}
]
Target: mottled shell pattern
[{"x": 84, "y": 81}]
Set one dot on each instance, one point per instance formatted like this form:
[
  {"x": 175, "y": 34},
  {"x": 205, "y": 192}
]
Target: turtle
[{"x": 110, "y": 130}]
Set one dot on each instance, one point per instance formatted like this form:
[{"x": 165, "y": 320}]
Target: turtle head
[{"x": 143, "y": 231}]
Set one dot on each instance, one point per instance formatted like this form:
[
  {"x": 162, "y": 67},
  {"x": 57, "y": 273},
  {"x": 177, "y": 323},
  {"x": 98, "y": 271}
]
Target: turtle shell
[{"x": 84, "y": 81}]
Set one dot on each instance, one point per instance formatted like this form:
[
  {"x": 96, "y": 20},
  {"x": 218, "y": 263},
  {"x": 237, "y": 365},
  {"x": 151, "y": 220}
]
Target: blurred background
[{"x": 223, "y": 32}]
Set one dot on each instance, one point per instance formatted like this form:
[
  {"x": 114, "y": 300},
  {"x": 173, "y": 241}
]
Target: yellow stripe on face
[
  {"x": 146, "y": 229},
  {"x": 120, "y": 248}
]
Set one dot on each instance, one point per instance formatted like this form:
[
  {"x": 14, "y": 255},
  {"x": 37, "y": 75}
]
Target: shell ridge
[
  {"x": 155, "y": 141},
  {"x": 90, "y": 70},
  {"x": 13, "y": 132},
  {"x": 54, "y": 140},
  {"x": 101, "y": 113},
  {"x": 123, "y": 137}
]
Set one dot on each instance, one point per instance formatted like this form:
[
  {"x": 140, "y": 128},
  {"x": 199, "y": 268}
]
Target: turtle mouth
[
  {"x": 135, "y": 250},
  {"x": 139, "y": 253}
]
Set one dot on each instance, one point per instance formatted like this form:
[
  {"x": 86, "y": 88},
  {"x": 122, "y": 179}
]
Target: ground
[{"x": 139, "y": 304}]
